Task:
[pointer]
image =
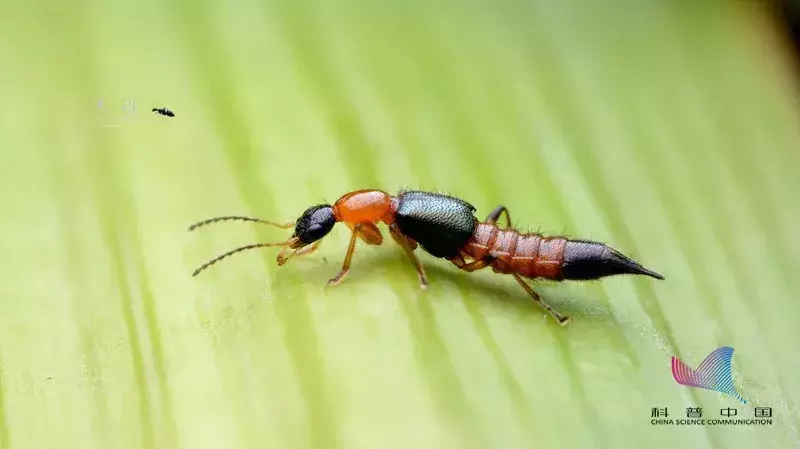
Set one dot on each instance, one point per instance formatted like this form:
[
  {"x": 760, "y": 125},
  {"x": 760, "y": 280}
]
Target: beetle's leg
[
  {"x": 471, "y": 266},
  {"x": 398, "y": 234},
  {"x": 347, "y": 258},
  {"x": 403, "y": 241},
  {"x": 495, "y": 215},
  {"x": 369, "y": 233},
  {"x": 560, "y": 318}
]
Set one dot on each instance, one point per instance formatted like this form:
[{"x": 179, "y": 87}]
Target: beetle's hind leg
[
  {"x": 495, "y": 215},
  {"x": 469, "y": 267},
  {"x": 408, "y": 247},
  {"x": 563, "y": 320},
  {"x": 487, "y": 261}
]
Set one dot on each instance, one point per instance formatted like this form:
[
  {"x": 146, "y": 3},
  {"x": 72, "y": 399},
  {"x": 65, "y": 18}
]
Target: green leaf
[{"x": 669, "y": 132}]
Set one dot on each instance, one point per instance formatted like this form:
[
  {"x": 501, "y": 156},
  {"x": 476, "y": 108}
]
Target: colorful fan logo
[{"x": 713, "y": 374}]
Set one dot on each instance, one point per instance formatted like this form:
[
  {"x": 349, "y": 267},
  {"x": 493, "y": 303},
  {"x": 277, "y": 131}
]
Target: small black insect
[{"x": 164, "y": 111}]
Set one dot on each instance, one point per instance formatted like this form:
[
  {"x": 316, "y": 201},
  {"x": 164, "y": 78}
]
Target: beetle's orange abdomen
[
  {"x": 364, "y": 206},
  {"x": 529, "y": 255}
]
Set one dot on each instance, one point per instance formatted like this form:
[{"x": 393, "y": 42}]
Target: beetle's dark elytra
[
  {"x": 584, "y": 260},
  {"x": 441, "y": 224}
]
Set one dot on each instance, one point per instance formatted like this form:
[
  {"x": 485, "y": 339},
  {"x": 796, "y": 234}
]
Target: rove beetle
[{"x": 445, "y": 227}]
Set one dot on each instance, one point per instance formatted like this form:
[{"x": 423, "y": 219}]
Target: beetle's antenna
[
  {"x": 256, "y": 220},
  {"x": 237, "y": 250}
]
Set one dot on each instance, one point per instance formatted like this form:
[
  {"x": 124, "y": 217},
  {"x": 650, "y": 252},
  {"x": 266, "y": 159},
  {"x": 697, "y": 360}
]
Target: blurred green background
[{"x": 666, "y": 129}]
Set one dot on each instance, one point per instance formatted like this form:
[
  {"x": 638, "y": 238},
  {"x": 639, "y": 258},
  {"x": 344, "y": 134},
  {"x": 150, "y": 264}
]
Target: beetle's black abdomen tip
[
  {"x": 591, "y": 260},
  {"x": 652, "y": 274}
]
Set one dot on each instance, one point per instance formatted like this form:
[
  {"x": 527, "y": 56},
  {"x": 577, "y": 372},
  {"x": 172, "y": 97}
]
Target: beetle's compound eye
[{"x": 315, "y": 223}]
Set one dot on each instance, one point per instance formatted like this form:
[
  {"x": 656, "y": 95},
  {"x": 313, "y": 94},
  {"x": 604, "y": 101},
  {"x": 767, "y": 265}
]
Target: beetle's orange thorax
[{"x": 364, "y": 206}]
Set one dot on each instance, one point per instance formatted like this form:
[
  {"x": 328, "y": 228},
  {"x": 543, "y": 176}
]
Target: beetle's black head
[{"x": 315, "y": 223}]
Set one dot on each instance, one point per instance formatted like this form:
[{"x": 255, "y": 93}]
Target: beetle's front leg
[{"x": 347, "y": 258}]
